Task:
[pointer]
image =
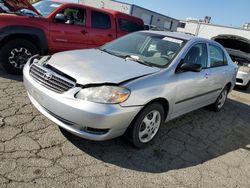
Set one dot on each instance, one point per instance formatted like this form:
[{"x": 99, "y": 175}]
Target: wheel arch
[
  {"x": 31, "y": 34},
  {"x": 229, "y": 86},
  {"x": 162, "y": 101}
]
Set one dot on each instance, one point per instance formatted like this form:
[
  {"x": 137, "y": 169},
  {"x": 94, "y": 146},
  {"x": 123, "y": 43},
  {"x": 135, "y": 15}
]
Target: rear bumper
[
  {"x": 242, "y": 78},
  {"x": 88, "y": 120}
]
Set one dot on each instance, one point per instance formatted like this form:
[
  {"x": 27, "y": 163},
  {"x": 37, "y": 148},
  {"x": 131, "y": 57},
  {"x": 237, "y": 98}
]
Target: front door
[
  {"x": 71, "y": 33},
  {"x": 192, "y": 88}
]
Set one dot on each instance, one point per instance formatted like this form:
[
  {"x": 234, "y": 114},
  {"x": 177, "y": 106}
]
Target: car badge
[{"x": 47, "y": 76}]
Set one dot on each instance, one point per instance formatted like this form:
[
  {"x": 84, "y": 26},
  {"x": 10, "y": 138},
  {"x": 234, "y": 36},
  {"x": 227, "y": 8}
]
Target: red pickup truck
[{"x": 51, "y": 26}]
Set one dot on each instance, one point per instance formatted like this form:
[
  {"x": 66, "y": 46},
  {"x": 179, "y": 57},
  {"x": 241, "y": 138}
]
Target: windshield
[
  {"x": 46, "y": 7},
  {"x": 148, "y": 48}
]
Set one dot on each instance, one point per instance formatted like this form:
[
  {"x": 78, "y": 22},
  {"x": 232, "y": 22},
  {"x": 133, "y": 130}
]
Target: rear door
[
  {"x": 102, "y": 28},
  {"x": 72, "y": 33},
  {"x": 218, "y": 69}
]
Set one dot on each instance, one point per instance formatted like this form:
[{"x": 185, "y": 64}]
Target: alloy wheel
[
  {"x": 222, "y": 99},
  {"x": 19, "y": 56},
  {"x": 149, "y": 126}
]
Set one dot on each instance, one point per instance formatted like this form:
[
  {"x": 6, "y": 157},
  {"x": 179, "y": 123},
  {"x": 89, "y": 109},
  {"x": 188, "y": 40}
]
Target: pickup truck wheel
[
  {"x": 146, "y": 125},
  {"x": 15, "y": 53}
]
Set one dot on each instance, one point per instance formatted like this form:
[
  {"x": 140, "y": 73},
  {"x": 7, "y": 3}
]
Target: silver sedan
[{"x": 130, "y": 86}]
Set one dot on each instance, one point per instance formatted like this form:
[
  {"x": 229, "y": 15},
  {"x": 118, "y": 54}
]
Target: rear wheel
[
  {"x": 15, "y": 53},
  {"x": 145, "y": 127},
  {"x": 219, "y": 103}
]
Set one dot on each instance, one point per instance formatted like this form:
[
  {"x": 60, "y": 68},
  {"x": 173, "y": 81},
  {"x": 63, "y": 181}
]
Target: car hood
[
  {"x": 15, "y": 5},
  {"x": 96, "y": 67}
]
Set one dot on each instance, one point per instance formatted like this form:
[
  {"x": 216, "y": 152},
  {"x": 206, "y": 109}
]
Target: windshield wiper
[
  {"x": 137, "y": 59},
  {"x": 112, "y": 53},
  {"x": 127, "y": 57}
]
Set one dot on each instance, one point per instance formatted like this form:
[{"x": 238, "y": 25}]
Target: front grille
[
  {"x": 239, "y": 80},
  {"x": 67, "y": 122},
  {"x": 55, "y": 82}
]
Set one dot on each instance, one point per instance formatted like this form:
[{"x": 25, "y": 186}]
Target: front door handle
[{"x": 207, "y": 75}]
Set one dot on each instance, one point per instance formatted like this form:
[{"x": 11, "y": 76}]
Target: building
[
  {"x": 149, "y": 17},
  {"x": 246, "y": 26},
  {"x": 235, "y": 40}
]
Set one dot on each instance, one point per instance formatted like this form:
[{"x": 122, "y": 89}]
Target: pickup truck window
[
  {"x": 129, "y": 26},
  {"x": 100, "y": 20},
  {"x": 74, "y": 16}
]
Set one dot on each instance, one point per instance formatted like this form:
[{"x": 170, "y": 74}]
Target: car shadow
[
  {"x": 5, "y": 75},
  {"x": 187, "y": 141},
  {"x": 242, "y": 89}
]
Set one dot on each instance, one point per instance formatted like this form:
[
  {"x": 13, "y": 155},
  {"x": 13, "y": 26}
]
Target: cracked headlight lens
[{"x": 104, "y": 94}]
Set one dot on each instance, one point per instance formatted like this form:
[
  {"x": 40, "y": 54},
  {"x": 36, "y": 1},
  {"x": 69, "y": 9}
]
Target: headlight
[
  {"x": 38, "y": 59},
  {"x": 44, "y": 59},
  {"x": 104, "y": 94},
  {"x": 244, "y": 69}
]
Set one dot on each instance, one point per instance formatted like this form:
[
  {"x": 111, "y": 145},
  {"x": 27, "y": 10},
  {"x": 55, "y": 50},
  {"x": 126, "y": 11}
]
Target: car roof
[{"x": 178, "y": 35}]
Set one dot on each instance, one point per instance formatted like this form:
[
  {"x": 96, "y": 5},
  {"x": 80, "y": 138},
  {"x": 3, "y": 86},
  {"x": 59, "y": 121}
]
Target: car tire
[
  {"x": 15, "y": 53},
  {"x": 219, "y": 103},
  {"x": 146, "y": 125}
]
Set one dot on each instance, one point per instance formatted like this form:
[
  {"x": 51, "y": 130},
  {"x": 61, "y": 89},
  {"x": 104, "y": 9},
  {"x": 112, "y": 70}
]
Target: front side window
[
  {"x": 217, "y": 56},
  {"x": 152, "y": 49},
  {"x": 197, "y": 55},
  {"x": 74, "y": 16},
  {"x": 129, "y": 26},
  {"x": 100, "y": 20}
]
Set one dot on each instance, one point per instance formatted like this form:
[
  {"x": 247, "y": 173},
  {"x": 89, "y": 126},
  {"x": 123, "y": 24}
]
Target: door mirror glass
[
  {"x": 191, "y": 67},
  {"x": 60, "y": 18}
]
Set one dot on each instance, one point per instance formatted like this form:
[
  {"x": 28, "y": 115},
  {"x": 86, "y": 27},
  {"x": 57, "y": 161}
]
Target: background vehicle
[
  {"x": 243, "y": 74},
  {"x": 52, "y": 26},
  {"x": 131, "y": 85}
]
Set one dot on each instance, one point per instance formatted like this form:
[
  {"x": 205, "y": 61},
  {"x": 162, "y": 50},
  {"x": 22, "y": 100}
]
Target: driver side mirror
[
  {"x": 60, "y": 18},
  {"x": 190, "y": 67}
]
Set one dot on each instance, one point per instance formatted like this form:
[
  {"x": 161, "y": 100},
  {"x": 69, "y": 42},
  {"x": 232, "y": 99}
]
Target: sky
[{"x": 223, "y": 12}]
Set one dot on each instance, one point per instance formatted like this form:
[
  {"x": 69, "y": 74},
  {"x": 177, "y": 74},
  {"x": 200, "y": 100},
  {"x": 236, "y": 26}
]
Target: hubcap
[
  {"x": 19, "y": 56},
  {"x": 149, "y": 126},
  {"x": 222, "y": 98}
]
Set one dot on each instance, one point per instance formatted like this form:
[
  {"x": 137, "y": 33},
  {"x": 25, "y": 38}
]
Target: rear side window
[
  {"x": 129, "y": 26},
  {"x": 217, "y": 56},
  {"x": 100, "y": 20}
]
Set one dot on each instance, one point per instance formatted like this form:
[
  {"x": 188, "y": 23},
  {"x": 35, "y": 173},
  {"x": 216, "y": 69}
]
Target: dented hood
[
  {"x": 96, "y": 67},
  {"x": 15, "y": 5}
]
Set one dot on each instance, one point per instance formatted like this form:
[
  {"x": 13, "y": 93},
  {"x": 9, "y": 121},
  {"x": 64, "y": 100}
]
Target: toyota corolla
[{"x": 130, "y": 86}]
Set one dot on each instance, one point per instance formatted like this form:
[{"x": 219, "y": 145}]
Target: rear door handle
[
  {"x": 110, "y": 35},
  {"x": 84, "y": 32}
]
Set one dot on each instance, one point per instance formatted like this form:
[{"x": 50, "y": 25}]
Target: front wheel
[
  {"x": 146, "y": 125},
  {"x": 15, "y": 53}
]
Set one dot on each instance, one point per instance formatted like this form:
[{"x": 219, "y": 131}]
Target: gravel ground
[{"x": 200, "y": 149}]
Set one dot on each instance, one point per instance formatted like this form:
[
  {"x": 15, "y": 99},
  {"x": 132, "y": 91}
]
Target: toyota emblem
[{"x": 47, "y": 76}]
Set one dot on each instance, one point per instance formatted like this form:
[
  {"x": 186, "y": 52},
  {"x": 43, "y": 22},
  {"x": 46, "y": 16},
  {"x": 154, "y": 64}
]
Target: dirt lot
[{"x": 200, "y": 149}]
